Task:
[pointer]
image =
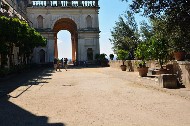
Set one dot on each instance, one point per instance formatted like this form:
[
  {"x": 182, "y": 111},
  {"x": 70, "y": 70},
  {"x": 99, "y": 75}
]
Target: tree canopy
[
  {"x": 125, "y": 34},
  {"x": 14, "y": 32},
  {"x": 176, "y": 11}
]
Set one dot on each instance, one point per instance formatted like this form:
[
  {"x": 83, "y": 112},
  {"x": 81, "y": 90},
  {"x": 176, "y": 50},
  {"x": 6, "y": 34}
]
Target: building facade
[{"x": 79, "y": 17}]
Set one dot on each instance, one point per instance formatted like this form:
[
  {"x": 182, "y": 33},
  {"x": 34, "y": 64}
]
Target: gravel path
[{"x": 94, "y": 97}]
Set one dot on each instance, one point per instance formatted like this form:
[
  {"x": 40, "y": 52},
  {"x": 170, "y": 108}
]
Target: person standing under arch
[{"x": 65, "y": 63}]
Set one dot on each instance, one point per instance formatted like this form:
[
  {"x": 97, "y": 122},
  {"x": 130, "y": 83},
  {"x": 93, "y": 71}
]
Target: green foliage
[
  {"x": 125, "y": 34},
  {"x": 155, "y": 43},
  {"x": 122, "y": 55},
  {"x": 97, "y": 56},
  {"x": 145, "y": 31},
  {"x": 159, "y": 50},
  {"x": 102, "y": 56},
  {"x": 142, "y": 51},
  {"x": 111, "y": 56},
  {"x": 176, "y": 14},
  {"x": 16, "y": 32}
]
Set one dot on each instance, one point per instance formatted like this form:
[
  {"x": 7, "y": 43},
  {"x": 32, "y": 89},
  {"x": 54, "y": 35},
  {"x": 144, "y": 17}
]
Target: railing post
[
  {"x": 59, "y": 3},
  {"x": 96, "y": 3},
  {"x": 79, "y": 3},
  {"x": 69, "y": 2},
  {"x": 48, "y": 3}
]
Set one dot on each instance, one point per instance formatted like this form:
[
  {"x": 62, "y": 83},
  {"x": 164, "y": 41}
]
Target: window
[
  {"x": 40, "y": 21},
  {"x": 89, "y": 21},
  {"x": 89, "y": 54}
]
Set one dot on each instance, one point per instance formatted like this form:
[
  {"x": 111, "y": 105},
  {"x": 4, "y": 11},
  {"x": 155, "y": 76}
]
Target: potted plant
[
  {"x": 179, "y": 50},
  {"x": 123, "y": 55},
  {"x": 143, "y": 54},
  {"x": 97, "y": 57},
  {"x": 103, "y": 60},
  {"x": 159, "y": 51},
  {"x": 179, "y": 43},
  {"x": 111, "y": 56}
]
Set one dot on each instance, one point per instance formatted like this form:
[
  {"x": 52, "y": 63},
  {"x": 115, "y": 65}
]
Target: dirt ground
[{"x": 93, "y": 97}]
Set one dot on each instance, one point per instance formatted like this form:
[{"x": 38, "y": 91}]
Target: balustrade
[{"x": 64, "y": 3}]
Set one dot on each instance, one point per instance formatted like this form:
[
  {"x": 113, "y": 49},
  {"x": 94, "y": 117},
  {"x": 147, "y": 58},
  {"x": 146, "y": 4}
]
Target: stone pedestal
[
  {"x": 184, "y": 72},
  {"x": 168, "y": 81}
]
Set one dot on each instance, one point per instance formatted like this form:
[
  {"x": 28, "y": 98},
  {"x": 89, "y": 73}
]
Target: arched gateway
[{"x": 79, "y": 17}]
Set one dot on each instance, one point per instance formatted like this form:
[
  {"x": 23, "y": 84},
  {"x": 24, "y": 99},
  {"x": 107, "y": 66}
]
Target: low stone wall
[
  {"x": 180, "y": 68},
  {"x": 131, "y": 64}
]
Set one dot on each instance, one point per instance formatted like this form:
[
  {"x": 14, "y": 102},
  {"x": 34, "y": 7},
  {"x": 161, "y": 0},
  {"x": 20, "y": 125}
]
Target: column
[
  {"x": 73, "y": 47},
  {"x": 55, "y": 47}
]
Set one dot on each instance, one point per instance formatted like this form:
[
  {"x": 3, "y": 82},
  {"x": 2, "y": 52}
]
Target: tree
[
  {"x": 155, "y": 41},
  {"x": 14, "y": 32},
  {"x": 125, "y": 34},
  {"x": 146, "y": 31},
  {"x": 159, "y": 49},
  {"x": 176, "y": 12}
]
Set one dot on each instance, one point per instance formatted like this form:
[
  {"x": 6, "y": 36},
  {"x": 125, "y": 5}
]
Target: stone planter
[
  {"x": 143, "y": 71},
  {"x": 179, "y": 56},
  {"x": 163, "y": 71},
  {"x": 168, "y": 81},
  {"x": 123, "y": 67}
]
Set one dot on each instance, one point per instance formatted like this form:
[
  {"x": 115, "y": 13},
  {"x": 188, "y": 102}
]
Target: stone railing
[{"x": 64, "y": 3}]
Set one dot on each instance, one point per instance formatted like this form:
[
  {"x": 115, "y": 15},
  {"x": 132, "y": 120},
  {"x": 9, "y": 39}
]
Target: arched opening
[
  {"x": 64, "y": 44},
  {"x": 69, "y": 25},
  {"x": 42, "y": 56},
  {"x": 40, "y": 21}
]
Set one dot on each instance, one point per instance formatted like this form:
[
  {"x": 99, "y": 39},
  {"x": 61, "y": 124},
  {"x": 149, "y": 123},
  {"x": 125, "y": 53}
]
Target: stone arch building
[{"x": 79, "y": 17}]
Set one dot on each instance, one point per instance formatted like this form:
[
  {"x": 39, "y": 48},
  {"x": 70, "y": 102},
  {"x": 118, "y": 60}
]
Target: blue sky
[{"x": 108, "y": 15}]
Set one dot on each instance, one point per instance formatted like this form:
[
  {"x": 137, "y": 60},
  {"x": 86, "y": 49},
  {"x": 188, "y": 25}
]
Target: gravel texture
[{"x": 94, "y": 97}]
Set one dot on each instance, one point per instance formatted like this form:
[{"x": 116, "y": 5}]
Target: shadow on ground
[
  {"x": 28, "y": 78},
  {"x": 13, "y": 115}
]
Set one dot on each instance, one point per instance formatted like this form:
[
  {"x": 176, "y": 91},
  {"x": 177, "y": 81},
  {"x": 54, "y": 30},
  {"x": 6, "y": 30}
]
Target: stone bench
[{"x": 168, "y": 80}]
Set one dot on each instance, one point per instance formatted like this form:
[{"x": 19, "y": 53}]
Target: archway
[
  {"x": 64, "y": 44},
  {"x": 70, "y": 25}
]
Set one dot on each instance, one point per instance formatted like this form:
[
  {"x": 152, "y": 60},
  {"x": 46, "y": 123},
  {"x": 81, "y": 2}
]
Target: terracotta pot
[
  {"x": 179, "y": 56},
  {"x": 163, "y": 71},
  {"x": 123, "y": 67},
  {"x": 143, "y": 71}
]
